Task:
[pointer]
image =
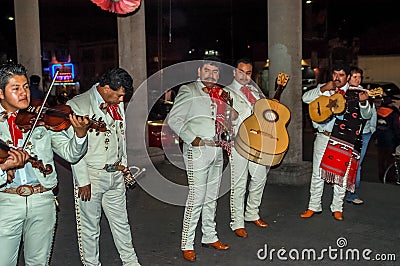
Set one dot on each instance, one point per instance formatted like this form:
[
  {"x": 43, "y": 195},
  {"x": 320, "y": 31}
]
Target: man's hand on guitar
[{"x": 363, "y": 97}]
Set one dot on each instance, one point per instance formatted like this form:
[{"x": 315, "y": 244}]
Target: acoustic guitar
[
  {"x": 324, "y": 107},
  {"x": 262, "y": 137}
]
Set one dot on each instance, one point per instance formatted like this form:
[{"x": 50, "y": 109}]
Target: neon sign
[{"x": 66, "y": 72}]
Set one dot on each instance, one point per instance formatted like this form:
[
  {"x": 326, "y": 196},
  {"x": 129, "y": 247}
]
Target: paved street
[{"x": 156, "y": 226}]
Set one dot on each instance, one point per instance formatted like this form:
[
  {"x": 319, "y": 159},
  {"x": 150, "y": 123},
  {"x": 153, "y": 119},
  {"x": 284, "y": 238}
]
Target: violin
[
  {"x": 36, "y": 163},
  {"x": 53, "y": 118}
]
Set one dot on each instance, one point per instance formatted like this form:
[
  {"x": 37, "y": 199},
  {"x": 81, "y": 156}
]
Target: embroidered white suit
[
  {"x": 242, "y": 167},
  {"x": 193, "y": 115},
  {"x": 33, "y": 218},
  {"x": 107, "y": 188}
]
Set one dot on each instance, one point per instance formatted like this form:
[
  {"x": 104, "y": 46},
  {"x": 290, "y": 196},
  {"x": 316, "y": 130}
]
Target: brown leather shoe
[
  {"x": 189, "y": 255},
  {"x": 260, "y": 223},
  {"x": 241, "y": 232},
  {"x": 217, "y": 245},
  {"x": 338, "y": 216},
  {"x": 308, "y": 213}
]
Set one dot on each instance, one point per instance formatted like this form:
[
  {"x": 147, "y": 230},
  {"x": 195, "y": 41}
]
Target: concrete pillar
[
  {"x": 285, "y": 54},
  {"x": 132, "y": 58},
  {"x": 132, "y": 44},
  {"x": 27, "y": 29}
]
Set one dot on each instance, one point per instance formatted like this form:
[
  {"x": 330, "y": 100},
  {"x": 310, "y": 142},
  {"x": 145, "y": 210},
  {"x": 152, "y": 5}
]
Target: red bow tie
[
  {"x": 15, "y": 133},
  {"x": 113, "y": 111},
  {"x": 340, "y": 91},
  {"x": 249, "y": 95}
]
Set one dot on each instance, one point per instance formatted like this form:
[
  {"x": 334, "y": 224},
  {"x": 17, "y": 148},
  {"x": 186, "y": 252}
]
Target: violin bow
[{"x": 40, "y": 110}]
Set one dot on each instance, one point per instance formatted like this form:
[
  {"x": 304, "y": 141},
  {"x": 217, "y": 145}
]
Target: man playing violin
[
  {"x": 27, "y": 202},
  {"x": 97, "y": 185}
]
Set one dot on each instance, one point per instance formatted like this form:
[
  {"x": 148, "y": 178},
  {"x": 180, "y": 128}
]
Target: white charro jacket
[{"x": 104, "y": 148}]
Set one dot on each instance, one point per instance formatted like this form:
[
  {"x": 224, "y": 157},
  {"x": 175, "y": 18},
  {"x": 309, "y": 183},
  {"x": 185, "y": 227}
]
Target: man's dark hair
[
  {"x": 341, "y": 66},
  {"x": 212, "y": 60},
  {"x": 7, "y": 71},
  {"x": 243, "y": 60},
  {"x": 116, "y": 78}
]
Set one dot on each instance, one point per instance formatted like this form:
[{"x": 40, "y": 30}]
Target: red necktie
[
  {"x": 113, "y": 111},
  {"x": 249, "y": 95},
  {"x": 16, "y": 134},
  {"x": 340, "y": 91}
]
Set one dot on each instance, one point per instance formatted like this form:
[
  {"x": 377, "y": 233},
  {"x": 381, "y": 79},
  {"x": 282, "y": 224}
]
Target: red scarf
[
  {"x": 112, "y": 109},
  {"x": 249, "y": 95},
  {"x": 15, "y": 133},
  {"x": 221, "y": 99},
  {"x": 215, "y": 94}
]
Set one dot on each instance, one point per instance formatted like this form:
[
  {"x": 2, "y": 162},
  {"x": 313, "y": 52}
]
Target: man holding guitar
[
  {"x": 244, "y": 96},
  {"x": 337, "y": 144}
]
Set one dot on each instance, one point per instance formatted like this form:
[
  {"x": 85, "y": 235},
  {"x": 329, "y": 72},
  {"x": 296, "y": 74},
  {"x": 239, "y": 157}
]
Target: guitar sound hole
[{"x": 270, "y": 115}]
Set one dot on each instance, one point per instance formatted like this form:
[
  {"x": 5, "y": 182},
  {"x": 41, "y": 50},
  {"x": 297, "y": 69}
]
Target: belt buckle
[
  {"x": 112, "y": 167},
  {"x": 25, "y": 190},
  {"x": 109, "y": 167}
]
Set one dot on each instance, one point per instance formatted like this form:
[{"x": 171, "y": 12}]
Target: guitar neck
[
  {"x": 357, "y": 89},
  {"x": 280, "y": 84},
  {"x": 377, "y": 92},
  {"x": 278, "y": 92}
]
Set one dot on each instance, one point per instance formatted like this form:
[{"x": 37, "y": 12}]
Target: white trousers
[
  {"x": 31, "y": 219},
  {"x": 107, "y": 194},
  {"x": 317, "y": 183},
  {"x": 240, "y": 170},
  {"x": 204, "y": 166}
]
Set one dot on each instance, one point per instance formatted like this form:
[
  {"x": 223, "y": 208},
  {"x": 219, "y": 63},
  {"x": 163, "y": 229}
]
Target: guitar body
[
  {"x": 263, "y": 137},
  {"x": 322, "y": 108}
]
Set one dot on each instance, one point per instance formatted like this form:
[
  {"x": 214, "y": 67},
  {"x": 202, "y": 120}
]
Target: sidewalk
[{"x": 156, "y": 227}]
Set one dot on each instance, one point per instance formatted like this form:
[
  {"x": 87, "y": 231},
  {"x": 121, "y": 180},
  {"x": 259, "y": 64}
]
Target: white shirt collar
[{"x": 99, "y": 99}]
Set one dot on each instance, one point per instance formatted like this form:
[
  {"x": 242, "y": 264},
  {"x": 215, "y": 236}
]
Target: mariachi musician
[
  {"x": 198, "y": 118},
  {"x": 28, "y": 210},
  {"x": 337, "y": 143},
  {"x": 97, "y": 185},
  {"x": 244, "y": 96}
]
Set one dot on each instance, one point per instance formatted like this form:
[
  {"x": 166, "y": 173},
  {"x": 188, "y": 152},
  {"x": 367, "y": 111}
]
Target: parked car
[
  {"x": 159, "y": 133},
  {"x": 308, "y": 78}
]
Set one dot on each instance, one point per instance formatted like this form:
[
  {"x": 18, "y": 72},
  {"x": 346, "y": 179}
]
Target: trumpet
[
  {"x": 130, "y": 177},
  {"x": 128, "y": 174}
]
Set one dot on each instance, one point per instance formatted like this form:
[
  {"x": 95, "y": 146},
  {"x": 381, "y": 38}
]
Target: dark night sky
[{"x": 376, "y": 22}]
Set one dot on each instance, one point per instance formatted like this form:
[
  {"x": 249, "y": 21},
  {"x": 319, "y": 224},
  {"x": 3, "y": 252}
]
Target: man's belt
[
  {"x": 207, "y": 142},
  {"x": 26, "y": 190},
  {"x": 326, "y": 133}
]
